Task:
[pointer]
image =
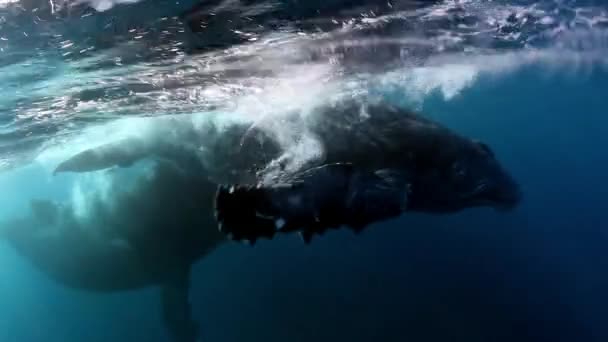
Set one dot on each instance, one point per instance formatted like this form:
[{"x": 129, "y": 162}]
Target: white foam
[
  {"x": 6, "y": 3},
  {"x": 104, "y": 5},
  {"x": 417, "y": 83},
  {"x": 450, "y": 75}
]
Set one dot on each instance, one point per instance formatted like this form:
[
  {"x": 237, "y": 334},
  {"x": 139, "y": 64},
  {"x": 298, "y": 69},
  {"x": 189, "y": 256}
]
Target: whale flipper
[
  {"x": 176, "y": 310},
  {"x": 126, "y": 152},
  {"x": 122, "y": 153}
]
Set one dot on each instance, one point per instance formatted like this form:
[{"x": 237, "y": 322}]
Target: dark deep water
[{"x": 539, "y": 273}]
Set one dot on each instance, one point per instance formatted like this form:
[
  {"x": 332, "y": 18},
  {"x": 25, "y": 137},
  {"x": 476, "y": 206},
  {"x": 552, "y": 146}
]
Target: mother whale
[
  {"x": 372, "y": 161},
  {"x": 145, "y": 234}
]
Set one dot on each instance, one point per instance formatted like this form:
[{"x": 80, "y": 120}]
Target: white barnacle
[
  {"x": 231, "y": 190},
  {"x": 279, "y": 223}
]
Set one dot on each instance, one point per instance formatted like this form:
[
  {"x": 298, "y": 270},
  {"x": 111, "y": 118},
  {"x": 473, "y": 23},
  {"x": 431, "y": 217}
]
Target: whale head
[{"x": 472, "y": 177}]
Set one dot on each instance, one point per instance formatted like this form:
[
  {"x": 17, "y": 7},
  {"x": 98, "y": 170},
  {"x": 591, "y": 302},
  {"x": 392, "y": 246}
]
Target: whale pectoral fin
[
  {"x": 125, "y": 163},
  {"x": 122, "y": 153},
  {"x": 176, "y": 310}
]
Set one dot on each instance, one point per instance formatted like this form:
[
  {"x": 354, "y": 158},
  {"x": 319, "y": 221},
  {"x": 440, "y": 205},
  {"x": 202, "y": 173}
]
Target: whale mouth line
[
  {"x": 482, "y": 196},
  {"x": 501, "y": 201}
]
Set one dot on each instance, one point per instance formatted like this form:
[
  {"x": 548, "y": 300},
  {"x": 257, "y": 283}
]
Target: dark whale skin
[{"x": 376, "y": 167}]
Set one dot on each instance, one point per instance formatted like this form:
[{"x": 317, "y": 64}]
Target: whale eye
[{"x": 459, "y": 170}]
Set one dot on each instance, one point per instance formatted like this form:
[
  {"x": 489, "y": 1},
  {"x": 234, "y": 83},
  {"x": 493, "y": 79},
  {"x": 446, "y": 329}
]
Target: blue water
[{"x": 534, "y": 90}]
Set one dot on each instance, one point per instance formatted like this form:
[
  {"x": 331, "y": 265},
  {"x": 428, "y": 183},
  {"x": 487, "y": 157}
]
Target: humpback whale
[
  {"x": 149, "y": 235},
  {"x": 375, "y": 162},
  {"x": 375, "y": 168}
]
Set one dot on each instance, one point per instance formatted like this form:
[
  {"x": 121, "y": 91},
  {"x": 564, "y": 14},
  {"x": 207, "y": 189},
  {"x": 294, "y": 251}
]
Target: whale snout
[
  {"x": 504, "y": 193},
  {"x": 508, "y": 198}
]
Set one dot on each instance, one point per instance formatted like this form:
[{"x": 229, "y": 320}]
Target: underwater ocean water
[{"x": 528, "y": 78}]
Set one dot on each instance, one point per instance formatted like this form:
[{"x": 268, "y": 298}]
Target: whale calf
[{"x": 375, "y": 168}]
